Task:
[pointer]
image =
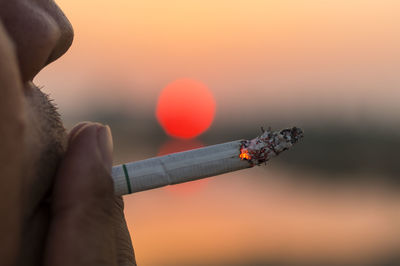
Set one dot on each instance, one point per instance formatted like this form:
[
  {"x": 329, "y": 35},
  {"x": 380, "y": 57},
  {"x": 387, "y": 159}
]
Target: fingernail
[
  {"x": 77, "y": 128},
  {"x": 105, "y": 144}
]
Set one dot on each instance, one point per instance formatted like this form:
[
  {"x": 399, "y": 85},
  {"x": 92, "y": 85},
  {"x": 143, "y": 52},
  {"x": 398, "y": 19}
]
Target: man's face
[{"x": 40, "y": 34}]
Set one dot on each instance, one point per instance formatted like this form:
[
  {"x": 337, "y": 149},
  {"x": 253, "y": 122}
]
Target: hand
[{"x": 86, "y": 225}]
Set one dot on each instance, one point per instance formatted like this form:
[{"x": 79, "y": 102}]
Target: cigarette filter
[{"x": 200, "y": 163}]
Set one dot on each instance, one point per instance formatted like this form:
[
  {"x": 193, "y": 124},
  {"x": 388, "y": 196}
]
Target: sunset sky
[
  {"x": 296, "y": 56},
  {"x": 281, "y": 58}
]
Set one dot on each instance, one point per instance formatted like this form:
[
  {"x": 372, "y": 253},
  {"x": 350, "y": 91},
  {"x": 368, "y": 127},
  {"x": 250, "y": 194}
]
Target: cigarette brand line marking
[{"x": 128, "y": 181}]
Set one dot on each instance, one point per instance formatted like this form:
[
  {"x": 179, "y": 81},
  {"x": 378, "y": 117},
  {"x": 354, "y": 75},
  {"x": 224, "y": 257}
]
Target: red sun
[{"x": 185, "y": 108}]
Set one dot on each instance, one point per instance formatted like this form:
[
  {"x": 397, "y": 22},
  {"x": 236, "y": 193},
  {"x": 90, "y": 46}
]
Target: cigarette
[{"x": 195, "y": 164}]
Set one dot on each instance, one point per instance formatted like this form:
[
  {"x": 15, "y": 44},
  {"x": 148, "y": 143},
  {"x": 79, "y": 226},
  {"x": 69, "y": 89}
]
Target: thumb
[{"x": 81, "y": 230}]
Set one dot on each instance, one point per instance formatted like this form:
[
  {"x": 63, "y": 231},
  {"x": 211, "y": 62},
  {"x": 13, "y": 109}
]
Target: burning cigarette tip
[
  {"x": 293, "y": 134},
  {"x": 269, "y": 144}
]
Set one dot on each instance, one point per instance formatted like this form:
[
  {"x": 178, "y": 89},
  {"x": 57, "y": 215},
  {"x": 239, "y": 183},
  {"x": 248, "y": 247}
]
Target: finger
[
  {"x": 76, "y": 129},
  {"x": 81, "y": 229},
  {"x": 124, "y": 248},
  {"x": 125, "y": 253},
  {"x": 11, "y": 152}
]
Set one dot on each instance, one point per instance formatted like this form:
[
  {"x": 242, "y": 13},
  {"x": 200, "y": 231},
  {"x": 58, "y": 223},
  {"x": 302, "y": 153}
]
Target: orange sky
[
  {"x": 307, "y": 56},
  {"x": 294, "y": 55}
]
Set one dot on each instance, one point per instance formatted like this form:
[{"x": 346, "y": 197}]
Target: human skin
[{"x": 56, "y": 193}]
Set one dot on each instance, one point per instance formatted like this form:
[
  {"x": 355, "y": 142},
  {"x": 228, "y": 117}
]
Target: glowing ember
[
  {"x": 269, "y": 144},
  {"x": 244, "y": 154}
]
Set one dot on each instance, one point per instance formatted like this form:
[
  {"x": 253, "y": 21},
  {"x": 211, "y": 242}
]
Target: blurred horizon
[{"x": 329, "y": 67}]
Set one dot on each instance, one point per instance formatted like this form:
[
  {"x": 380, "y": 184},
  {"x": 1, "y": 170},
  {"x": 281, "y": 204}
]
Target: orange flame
[{"x": 244, "y": 154}]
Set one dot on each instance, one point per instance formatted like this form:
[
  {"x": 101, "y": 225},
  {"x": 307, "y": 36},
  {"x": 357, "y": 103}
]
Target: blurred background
[{"x": 329, "y": 67}]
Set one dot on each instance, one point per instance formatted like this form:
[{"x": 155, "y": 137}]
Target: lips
[{"x": 40, "y": 31}]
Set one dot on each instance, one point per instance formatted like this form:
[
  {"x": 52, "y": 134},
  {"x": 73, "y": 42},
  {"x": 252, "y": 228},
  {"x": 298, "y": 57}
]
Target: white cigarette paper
[{"x": 195, "y": 164}]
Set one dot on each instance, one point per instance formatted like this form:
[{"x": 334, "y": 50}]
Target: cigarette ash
[{"x": 259, "y": 150}]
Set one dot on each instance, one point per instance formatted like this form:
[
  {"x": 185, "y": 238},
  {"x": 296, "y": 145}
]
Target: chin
[{"x": 47, "y": 142}]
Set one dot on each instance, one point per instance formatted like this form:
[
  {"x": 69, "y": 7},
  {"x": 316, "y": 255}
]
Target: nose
[
  {"x": 40, "y": 31},
  {"x": 66, "y": 32}
]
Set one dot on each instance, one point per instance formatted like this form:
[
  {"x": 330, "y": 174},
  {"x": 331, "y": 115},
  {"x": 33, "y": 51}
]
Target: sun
[{"x": 185, "y": 108}]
